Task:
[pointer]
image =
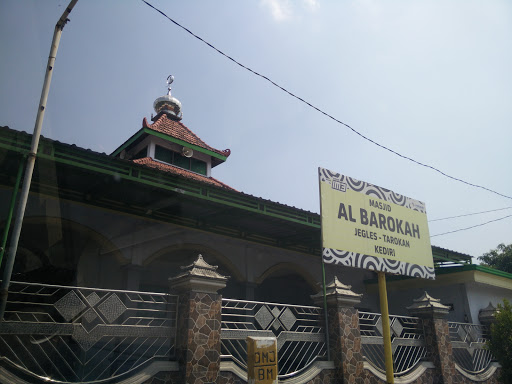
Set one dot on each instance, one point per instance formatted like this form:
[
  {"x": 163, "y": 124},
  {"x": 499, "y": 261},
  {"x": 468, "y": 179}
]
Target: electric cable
[
  {"x": 469, "y": 214},
  {"x": 325, "y": 113},
  {"x": 473, "y": 226}
]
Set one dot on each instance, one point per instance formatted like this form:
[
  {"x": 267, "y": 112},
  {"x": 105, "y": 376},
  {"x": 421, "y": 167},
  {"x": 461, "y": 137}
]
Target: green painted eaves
[
  {"x": 474, "y": 267},
  {"x": 86, "y": 159},
  {"x": 450, "y": 270},
  {"x": 184, "y": 143},
  {"x": 166, "y": 138},
  {"x": 128, "y": 142}
]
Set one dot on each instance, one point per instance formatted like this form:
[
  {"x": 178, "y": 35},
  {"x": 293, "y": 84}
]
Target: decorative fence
[
  {"x": 468, "y": 345},
  {"x": 407, "y": 341},
  {"x": 72, "y": 334},
  {"x": 298, "y": 329}
]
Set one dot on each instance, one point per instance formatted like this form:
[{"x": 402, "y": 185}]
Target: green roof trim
[
  {"x": 449, "y": 270},
  {"x": 165, "y": 137},
  {"x": 474, "y": 267},
  {"x": 172, "y": 139},
  {"x": 127, "y": 143},
  {"x": 441, "y": 254},
  {"x": 19, "y": 142},
  {"x": 126, "y": 169}
]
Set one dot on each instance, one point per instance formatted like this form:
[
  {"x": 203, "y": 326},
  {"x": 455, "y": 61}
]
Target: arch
[
  {"x": 107, "y": 247},
  {"x": 206, "y": 251},
  {"x": 167, "y": 261},
  {"x": 286, "y": 266},
  {"x": 55, "y": 250},
  {"x": 286, "y": 283}
]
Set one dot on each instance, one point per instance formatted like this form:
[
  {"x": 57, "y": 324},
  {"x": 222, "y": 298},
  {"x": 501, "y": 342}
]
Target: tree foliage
[
  {"x": 500, "y": 343},
  {"x": 499, "y": 258}
]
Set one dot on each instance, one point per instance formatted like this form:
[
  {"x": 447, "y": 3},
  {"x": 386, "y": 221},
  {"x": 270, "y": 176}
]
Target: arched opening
[
  {"x": 168, "y": 262},
  {"x": 285, "y": 284},
  {"x": 57, "y": 251}
]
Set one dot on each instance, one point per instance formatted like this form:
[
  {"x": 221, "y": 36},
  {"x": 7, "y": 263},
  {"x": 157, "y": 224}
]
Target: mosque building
[{"x": 132, "y": 220}]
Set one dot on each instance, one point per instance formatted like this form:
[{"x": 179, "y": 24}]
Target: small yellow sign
[{"x": 261, "y": 360}]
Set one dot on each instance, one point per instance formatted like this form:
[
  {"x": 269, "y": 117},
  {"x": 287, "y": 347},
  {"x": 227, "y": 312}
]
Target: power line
[
  {"x": 469, "y": 214},
  {"x": 473, "y": 226},
  {"x": 321, "y": 111}
]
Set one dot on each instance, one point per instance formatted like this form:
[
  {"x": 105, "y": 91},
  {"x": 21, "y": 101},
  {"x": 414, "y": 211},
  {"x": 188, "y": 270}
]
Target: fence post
[
  {"x": 199, "y": 321},
  {"x": 487, "y": 316},
  {"x": 437, "y": 336},
  {"x": 344, "y": 332}
]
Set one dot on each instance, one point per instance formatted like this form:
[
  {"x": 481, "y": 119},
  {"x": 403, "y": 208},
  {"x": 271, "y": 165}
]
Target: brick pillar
[
  {"x": 437, "y": 337},
  {"x": 199, "y": 321},
  {"x": 344, "y": 332}
]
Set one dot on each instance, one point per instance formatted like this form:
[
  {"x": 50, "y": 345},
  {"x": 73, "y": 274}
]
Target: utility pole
[{"x": 20, "y": 213}]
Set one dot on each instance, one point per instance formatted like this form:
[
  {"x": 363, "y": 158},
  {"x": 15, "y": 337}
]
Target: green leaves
[
  {"x": 500, "y": 343},
  {"x": 499, "y": 258}
]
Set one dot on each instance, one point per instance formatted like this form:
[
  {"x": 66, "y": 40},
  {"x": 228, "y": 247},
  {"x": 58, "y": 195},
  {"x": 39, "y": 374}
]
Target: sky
[{"x": 431, "y": 80}]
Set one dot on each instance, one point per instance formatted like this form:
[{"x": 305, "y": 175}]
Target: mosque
[{"x": 131, "y": 220}]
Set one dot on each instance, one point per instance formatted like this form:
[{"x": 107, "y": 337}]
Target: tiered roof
[
  {"x": 167, "y": 126},
  {"x": 163, "y": 124},
  {"x": 149, "y": 162}
]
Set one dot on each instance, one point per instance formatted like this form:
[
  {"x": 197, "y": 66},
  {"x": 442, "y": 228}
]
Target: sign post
[
  {"x": 370, "y": 227},
  {"x": 261, "y": 360},
  {"x": 386, "y": 334}
]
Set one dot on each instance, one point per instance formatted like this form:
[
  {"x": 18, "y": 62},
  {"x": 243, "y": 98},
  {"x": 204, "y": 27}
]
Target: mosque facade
[{"x": 140, "y": 266}]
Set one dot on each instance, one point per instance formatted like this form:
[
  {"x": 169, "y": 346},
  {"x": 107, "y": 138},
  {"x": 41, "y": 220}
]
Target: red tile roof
[
  {"x": 164, "y": 124},
  {"x": 149, "y": 162}
]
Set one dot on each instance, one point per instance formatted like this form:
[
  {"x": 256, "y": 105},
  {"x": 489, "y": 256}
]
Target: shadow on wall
[
  {"x": 62, "y": 252},
  {"x": 168, "y": 262},
  {"x": 286, "y": 288}
]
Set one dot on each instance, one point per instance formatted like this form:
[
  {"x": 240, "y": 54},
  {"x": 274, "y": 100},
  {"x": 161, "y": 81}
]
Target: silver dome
[{"x": 168, "y": 104}]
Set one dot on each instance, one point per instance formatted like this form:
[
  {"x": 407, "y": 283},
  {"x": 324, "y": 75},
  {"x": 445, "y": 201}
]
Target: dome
[{"x": 167, "y": 103}]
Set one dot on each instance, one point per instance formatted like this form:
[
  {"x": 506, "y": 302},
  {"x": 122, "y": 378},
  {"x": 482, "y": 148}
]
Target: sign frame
[{"x": 347, "y": 242}]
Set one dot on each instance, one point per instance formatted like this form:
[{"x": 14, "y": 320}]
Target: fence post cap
[
  {"x": 338, "y": 293},
  {"x": 198, "y": 277},
  {"x": 426, "y": 306},
  {"x": 487, "y": 315}
]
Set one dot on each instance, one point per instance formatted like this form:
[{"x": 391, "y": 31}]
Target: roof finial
[
  {"x": 168, "y": 103},
  {"x": 170, "y": 79}
]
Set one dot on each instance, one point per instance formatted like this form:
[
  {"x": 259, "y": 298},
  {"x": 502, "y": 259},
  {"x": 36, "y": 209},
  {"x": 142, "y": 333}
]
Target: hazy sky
[{"x": 431, "y": 80}]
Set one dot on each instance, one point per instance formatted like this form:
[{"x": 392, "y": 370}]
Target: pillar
[
  {"x": 199, "y": 321},
  {"x": 344, "y": 332},
  {"x": 437, "y": 336}
]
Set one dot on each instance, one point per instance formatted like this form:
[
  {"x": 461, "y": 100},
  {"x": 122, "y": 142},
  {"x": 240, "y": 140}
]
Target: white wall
[{"x": 481, "y": 294}]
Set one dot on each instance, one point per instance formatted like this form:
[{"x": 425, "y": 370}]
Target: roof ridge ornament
[
  {"x": 168, "y": 104},
  {"x": 170, "y": 79}
]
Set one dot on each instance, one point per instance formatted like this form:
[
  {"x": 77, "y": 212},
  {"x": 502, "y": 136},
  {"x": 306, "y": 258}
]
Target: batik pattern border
[{"x": 359, "y": 260}]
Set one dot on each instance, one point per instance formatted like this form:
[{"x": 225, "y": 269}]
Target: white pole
[{"x": 6, "y": 278}]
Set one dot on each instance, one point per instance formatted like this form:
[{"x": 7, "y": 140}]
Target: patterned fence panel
[
  {"x": 468, "y": 345},
  {"x": 407, "y": 341},
  {"x": 298, "y": 329},
  {"x": 72, "y": 334}
]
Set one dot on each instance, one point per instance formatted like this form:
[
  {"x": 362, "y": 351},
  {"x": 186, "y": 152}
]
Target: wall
[
  {"x": 481, "y": 294},
  {"x": 125, "y": 240}
]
